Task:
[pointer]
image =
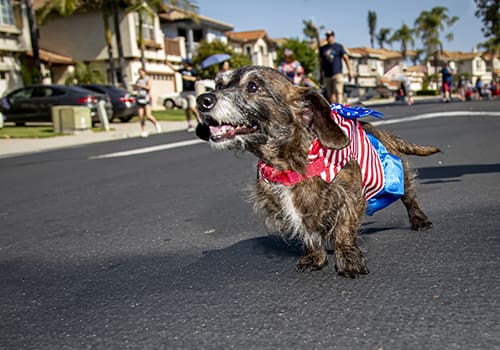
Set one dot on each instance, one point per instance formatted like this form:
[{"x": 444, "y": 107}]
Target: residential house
[
  {"x": 192, "y": 28},
  {"x": 474, "y": 64},
  {"x": 374, "y": 67},
  {"x": 256, "y": 44},
  {"x": 81, "y": 37},
  {"x": 13, "y": 33}
]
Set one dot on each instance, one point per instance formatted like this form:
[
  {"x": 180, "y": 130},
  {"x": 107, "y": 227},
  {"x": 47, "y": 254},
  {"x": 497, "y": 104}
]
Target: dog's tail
[{"x": 409, "y": 148}]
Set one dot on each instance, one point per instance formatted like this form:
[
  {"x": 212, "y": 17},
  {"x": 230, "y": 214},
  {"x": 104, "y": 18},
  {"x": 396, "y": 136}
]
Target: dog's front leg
[
  {"x": 349, "y": 259},
  {"x": 314, "y": 258}
]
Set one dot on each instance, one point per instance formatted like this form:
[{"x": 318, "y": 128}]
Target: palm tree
[
  {"x": 37, "y": 77},
  {"x": 372, "y": 26},
  {"x": 492, "y": 50},
  {"x": 430, "y": 24},
  {"x": 312, "y": 31},
  {"x": 404, "y": 35},
  {"x": 383, "y": 37}
]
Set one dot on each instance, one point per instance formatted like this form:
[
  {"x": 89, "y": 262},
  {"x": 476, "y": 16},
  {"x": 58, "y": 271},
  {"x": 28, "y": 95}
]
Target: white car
[{"x": 175, "y": 99}]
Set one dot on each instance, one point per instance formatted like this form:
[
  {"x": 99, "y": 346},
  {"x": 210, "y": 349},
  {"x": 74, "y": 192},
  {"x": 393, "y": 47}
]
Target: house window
[
  {"x": 248, "y": 50},
  {"x": 6, "y": 16},
  {"x": 479, "y": 65},
  {"x": 197, "y": 35},
  {"x": 148, "y": 26}
]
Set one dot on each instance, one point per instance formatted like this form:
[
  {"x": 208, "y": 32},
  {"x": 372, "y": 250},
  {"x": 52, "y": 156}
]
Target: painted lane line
[
  {"x": 148, "y": 149},
  {"x": 435, "y": 115},
  {"x": 382, "y": 122}
]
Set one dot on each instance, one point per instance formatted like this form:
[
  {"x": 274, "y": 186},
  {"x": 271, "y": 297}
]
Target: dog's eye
[{"x": 252, "y": 87}]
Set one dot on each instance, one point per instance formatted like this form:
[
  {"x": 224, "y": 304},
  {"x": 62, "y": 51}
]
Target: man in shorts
[
  {"x": 332, "y": 54},
  {"x": 189, "y": 78}
]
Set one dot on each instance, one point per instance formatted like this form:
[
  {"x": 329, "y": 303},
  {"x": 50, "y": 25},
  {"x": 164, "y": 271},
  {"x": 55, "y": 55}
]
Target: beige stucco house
[
  {"x": 81, "y": 37},
  {"x": 256, "y": 44},
  {"x": 14, "y": 37}
]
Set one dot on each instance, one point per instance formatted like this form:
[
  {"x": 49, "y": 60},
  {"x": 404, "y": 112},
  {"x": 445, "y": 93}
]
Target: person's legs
[
  {"x": 150, "y": 117},
  {"x": 142, "y": 120},
  {"x": 192, "y": 103},
  {"x": 329, "y": 89},
  {"x": 338, "y": 86}
]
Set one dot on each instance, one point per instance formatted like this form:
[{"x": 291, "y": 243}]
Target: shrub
[{"x": 427, "y": 93}]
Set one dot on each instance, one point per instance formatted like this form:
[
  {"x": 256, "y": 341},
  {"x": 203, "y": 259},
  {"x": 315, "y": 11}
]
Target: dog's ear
[{"x": 316, "y": 114}]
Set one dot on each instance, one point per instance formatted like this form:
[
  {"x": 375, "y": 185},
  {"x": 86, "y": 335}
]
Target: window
[
  {"x": 182, "y": 32},
  {"x": 148, "y": 26},
  {"x": 6, "y": 16},
  {"x": 197, "y": 35},
  {"x": 22, "y": 93}
]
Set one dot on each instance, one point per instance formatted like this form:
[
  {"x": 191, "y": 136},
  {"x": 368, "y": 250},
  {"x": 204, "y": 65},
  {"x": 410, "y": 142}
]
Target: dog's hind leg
[
  {"x": 418, "y": 219},
  {"x": 314, "y": 258}
]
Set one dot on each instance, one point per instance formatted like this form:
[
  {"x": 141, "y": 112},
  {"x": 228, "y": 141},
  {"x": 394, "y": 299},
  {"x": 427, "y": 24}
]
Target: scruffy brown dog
[{"x": 257, "y": 109}]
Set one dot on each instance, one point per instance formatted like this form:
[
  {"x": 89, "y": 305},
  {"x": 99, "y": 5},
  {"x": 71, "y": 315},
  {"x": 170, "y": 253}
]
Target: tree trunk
[
  {"x": 122, "y": 78},
  {"x": 108, "y": 36},
  {"x": 34, "y": 41},
  {"x": 141, "y": 40}
]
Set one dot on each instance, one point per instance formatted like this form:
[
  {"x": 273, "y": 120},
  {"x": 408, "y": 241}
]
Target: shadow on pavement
[{"x": 455, "y": 171}]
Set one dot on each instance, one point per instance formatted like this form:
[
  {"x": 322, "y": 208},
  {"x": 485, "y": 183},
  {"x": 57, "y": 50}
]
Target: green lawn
[{"x": 9, "y": 132}]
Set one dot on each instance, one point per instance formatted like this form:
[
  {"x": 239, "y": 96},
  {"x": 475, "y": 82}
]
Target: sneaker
[
  {"x": 158, "y": 127},
  {"x": 190, "y": 129},
  {"x": 144, "y": 134}
]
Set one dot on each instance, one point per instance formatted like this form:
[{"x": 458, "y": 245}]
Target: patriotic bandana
[{"x": 382, "y": 172}]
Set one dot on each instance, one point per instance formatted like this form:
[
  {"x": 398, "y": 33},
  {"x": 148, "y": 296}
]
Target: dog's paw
[
  {"x": 421, "y": 225},
  {"x": 311, "y": 262},
  {"x": 350, "y": 262}
]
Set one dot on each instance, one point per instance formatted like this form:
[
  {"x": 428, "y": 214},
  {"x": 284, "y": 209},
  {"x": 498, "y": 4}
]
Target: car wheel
[
  {"x": 125, "y": 119},
  {"x": 169, "y": 104}
]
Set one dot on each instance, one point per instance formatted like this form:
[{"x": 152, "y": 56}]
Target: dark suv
[{"x": 124, "y": 105}]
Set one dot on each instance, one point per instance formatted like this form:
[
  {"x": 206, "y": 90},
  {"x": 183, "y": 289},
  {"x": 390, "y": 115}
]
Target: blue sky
[{"x": 348, "y": 18}]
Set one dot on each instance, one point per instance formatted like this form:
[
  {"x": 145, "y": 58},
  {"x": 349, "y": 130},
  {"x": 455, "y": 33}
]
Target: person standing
[
  {"x": 446, "y": 82},
  {"x": 292, "y": 68},
  {"x": 143, "y": 99},
  {"x": 332, "y": 54},
  {"x": 189, "y": 78},
  {"x": 224, "y": 71}
]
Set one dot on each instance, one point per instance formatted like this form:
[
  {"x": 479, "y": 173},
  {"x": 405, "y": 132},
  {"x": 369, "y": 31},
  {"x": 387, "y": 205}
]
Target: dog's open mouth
[{"x": 226, "y": 131}]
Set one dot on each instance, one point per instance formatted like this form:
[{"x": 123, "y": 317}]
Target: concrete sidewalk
[{"x": 13, "y": 147}]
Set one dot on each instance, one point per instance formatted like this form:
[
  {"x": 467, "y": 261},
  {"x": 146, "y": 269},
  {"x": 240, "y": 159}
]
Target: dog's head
[{"x": 259, "y": 110}]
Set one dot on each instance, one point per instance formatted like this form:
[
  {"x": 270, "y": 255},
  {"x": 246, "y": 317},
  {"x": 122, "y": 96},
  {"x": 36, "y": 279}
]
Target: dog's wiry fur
[{"x": 258, "y": 110}]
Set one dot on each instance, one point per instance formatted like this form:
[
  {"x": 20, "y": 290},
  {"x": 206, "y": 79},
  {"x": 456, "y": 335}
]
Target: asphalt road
[{"x": 162, "y": 250}]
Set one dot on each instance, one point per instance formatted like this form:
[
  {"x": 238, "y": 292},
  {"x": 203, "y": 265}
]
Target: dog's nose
[{"x": 206, "y": 102}]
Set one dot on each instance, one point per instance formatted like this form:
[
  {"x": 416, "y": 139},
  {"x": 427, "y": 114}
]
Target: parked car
[
  {"x": 33, "y": 103},
  {"x": 175, "y": 100},
  {"x": 172, "y": 100},
  {"x": 124, "y": 104}
]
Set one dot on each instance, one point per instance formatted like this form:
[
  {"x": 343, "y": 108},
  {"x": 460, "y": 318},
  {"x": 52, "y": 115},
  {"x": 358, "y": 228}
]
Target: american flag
[
  {"x": 360, "y": 149},
  {"x": 327, "y": 163}
]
